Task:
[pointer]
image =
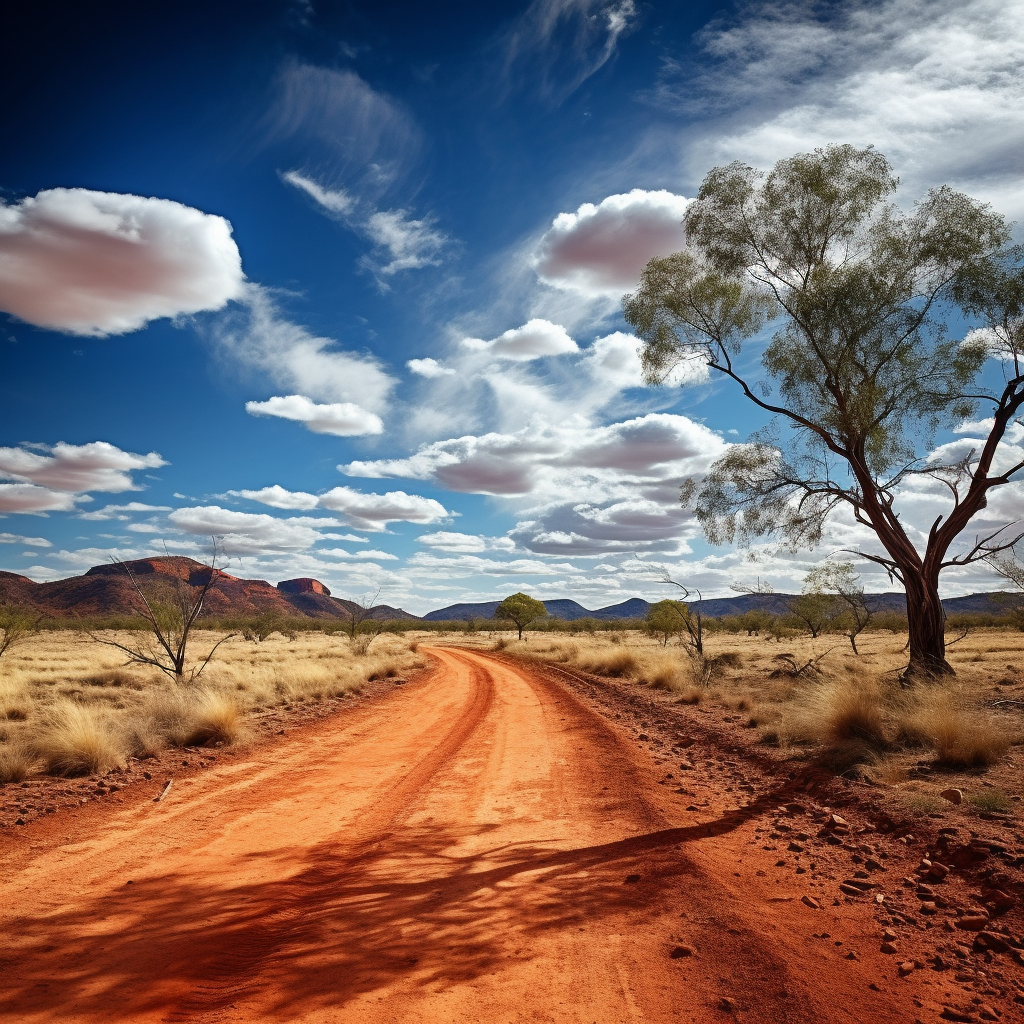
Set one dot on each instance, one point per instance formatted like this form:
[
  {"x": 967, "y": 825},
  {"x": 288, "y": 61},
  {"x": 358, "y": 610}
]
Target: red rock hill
[{"x": 108, "y": 590}]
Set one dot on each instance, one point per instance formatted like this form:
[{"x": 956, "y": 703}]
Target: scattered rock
[
  {"x": 726, "y": 1004},
  {"x": 810, "y": 901},
  {"x": 972, "y": 922},
  {"x": 686, "y": 766},
  {"x": 795, "y": 848},
  {"x": 948, "y": 1013},
  {"x": 887, "y": 947},
  {"x": 907, "y": 967},
  {"x": 954, "y": 796},
  {"x": 681, "y": 951},
  {"x": 630, "y": 879}
]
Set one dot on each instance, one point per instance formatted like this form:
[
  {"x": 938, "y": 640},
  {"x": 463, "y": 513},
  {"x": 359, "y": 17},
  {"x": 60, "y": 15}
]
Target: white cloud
[
  {"x": 277, "y": 497},
  {"x": 117, "y": 511},
  {"x": 600, "y": 250},
  {"x": 243, "y": 533},
  {"x": 623, "y": 480},
  {"x": 374, "y": 511},
  {"x": 144, "y": 528},
  {"x": 336, "y": 201},
  {"x": 469, "y": 543},
  {"x": 472, "y": 565},
  {"x": 258, "y": 336},
  {"x": 16, "y": 538},
  {"x": 554, "y": 461},
  {"x": 370, "y": 553},
  {"x": 533, "y": 340},
  {"x": 429, "y": 368},
  {"x": 407, "y": 243},
  {"x": 343, "y": 419},
  {"x": 556, "y": 45},
  {"x": 364, "y": 136},
  {"x": 32, "y": 499},
  {"x": 43, "y": 472},
  {"x": 100, "y": 263},
  {"x": 936, "y": 85},
  {"x": 364, "y": 511},
  {"x": 401, "y": 241}
]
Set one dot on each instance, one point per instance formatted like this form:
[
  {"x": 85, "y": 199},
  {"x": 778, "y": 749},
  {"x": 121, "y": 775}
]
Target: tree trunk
[{"x": 927, "y": 623}]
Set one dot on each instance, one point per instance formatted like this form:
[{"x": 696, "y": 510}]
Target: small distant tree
[
  {"x": 171, "y": 608},
  {"x": 840, "y": 582},
  {"x": 360, "y": 624},
  {"x": 666, "y": 619},
  {"x": 815, "y": 612},
  {"x": 1011, "y": 568},
  {"x": 17, "y": 624},
  {"x": 521, "y": 610},
  {"x": 265, "y": 625}
]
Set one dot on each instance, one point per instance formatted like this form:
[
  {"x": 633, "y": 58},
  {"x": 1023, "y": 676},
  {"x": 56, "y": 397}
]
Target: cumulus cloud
[
  {"x": 371, "y": 554},
  {"x": 936, "y": 85},
  {"x": 343, "y": 419},
  {"x": 17, "y": 538},
  {"x": 429, "y": 368},
  {"x": 623, "y": 478},
  {"x": 118, "y": 511},
  {"x": 259, "y": 336},
  {"x": 547, "y": 459},
  {"x": 245, "y": 533},
  {"x": 601, "y": 250},
  {"x": 364, "y": 511},
  {"x": 277, "y": 497},
  {"x": 31, "y": 499},
  {"x": 374, "y": 511},
  {"x": 100, "y": 263},
  {"x": 469, "y": 543},
  {"x": 47, "y": 478},
  {"x": 533, "y": 340}
]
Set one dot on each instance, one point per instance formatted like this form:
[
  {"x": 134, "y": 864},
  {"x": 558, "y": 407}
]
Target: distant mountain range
[{"x": 106, "y": 590}]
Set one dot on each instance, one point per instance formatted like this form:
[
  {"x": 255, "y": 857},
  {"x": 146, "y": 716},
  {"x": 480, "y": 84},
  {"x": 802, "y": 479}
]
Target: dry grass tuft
[
  {"x": 621, "y": 664},
  {"x": 79, "y": 740},
  {"x": 842, "y": 711},
  {"x": 961, "y": 734},
  {"x": 16, "y": 762}
]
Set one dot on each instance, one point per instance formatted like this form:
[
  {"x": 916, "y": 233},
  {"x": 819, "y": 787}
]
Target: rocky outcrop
[{"x": 303, "y": 585}]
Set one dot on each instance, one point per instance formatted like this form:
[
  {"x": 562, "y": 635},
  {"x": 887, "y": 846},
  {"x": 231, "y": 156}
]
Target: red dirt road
[{"x": 456, "y": 852}]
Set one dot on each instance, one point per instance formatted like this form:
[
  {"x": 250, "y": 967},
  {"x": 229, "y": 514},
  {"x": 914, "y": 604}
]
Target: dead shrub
[
  {"x": 79, "y": 740},
  {"x": 387, "y": 670}
]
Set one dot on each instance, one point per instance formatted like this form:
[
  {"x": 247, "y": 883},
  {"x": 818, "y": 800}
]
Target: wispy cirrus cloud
[
  {"x": 936, "y": 85},
  {"x": 401, "y": 241}
]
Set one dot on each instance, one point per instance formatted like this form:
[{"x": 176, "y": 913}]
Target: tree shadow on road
[{"x": 348, "y": 920}]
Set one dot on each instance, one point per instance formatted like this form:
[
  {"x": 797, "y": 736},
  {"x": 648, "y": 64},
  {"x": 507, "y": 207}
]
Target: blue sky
[{"x": 340, "y": 283}]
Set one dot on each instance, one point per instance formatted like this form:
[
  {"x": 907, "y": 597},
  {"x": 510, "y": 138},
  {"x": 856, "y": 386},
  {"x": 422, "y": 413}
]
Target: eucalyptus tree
[{"x": 860, "y": 370}]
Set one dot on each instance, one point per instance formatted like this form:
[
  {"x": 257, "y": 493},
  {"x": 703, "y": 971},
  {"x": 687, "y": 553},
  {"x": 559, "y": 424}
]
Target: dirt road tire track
[{"x": 458, "y": 852}]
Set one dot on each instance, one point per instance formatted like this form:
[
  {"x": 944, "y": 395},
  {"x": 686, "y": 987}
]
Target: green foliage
[
  {"x": 859, "y": 367},
  {"x": 667, "y": 619},
  {"x": 520, "y": 609}
]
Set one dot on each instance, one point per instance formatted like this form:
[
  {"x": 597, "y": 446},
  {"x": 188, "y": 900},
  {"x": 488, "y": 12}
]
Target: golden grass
[
  {"x": 69, "y": 706},
  {"x": 843, "y": 708}
]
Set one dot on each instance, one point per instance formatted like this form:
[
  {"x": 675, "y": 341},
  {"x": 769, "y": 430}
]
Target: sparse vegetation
[{"x": 69, "y": 707}]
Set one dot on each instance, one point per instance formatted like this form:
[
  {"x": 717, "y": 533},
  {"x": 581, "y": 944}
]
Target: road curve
[{"x": 465, "y": 850}]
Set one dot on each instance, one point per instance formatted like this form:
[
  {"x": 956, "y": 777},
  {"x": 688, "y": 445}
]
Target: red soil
[{"x": 480, "y": 846}]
